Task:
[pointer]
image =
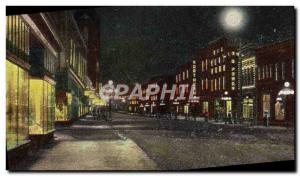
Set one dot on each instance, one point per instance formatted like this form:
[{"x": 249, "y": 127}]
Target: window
[
  {"x": 206, "y": 83},
  {"x": 219, "y": 60},
  {"x": 202, "y": 84},
  {"x": 220, "y": 68},
  {"x": 176, "y": 78},
  {"x": 183, "y": 75},
  {"x": 270, "y": 70},
  {"x": 206, "y": 65},
  {"x": 266, "y": 104},
  {"x": 276, "y": 71},
  {"x": 16, "y": 105},
  {"x": 267, "y": 71},
  {"x": 216, "y": 69},
  {"x": 258, "y": 73},
  {"x": 202, "y": 65},
  {"x": 17, "y": 37},
  {"x": 41, "y": 107},
  {"x": 221, "y": 48},
  {"x": 205, "y": 107},
  {"x": 212, "y": 85},
  {"x": 282, "y": 71},
  {"x": 219, "y": 79},
  {"x": 216, "y": 87},
  {"x": 232, "y": 61},
  {"x": 224, "y": 68},
  {"x": 214, "y": 52},
  {"x": 279, "y": 110},
  {"x": 263, "y": 72},
  {"x": 223, "y": 82}
]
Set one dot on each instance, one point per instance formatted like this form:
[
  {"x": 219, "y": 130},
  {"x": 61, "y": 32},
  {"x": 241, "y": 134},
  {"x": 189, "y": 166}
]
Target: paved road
[
  {"x": 89, "y": 144},
  {"x": 139, "y": 143}
]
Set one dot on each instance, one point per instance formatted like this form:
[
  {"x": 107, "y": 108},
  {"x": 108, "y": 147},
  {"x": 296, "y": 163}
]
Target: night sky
[{"x": 138, "y": 43}]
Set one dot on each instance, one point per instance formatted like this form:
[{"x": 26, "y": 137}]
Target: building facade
[
  {"x": 218, "y": 83},
  {"x": 31, "y": 62},
  {"x": 186, "y": 81},
  {"x": 276, "y": 72},
  {"x": 71, "y": 101}
]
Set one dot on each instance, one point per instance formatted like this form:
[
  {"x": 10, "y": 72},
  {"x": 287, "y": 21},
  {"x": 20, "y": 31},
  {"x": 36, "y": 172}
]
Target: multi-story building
[
  {"x": 32, "y": 58},
  {"x": 247, "y": 82},
  {"x": 276, "y": 72},
  {"x": 88, "y": 21},
  {"x": 72, "y": 71},
  {"x": 217, "y": 89},
  {"x": 186, "y": 81},
  {"x": 17, "y": 82},
  {"x": 154, "y": 103}
]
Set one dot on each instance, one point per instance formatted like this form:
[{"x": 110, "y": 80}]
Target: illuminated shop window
[
  {"x": 279, "y": 110},
  {"x": 266, "y": 104},
  {"x": 205, "y": 107},
  {"x": 16, "y": 105},
  {"x": 41, "y": 107}
]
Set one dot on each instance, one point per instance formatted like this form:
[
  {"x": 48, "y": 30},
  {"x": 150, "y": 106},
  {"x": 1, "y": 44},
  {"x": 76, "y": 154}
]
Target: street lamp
[{"x": 110, "y": 91}]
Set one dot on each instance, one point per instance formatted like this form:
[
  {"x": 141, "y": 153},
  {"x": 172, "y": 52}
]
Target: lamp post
[{"x": 110, "y": 82}]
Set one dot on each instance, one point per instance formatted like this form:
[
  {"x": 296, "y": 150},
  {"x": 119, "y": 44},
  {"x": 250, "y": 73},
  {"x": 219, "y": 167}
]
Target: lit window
[
  {"x": 218, "y": 50},
  {"x": 216, "y": 69},
  {"x": 214, "y": 52},
  {"x": 258, "y": 73},
  {"x": 224, "y": 82},
  {"x": 282, "y": 71},
  {"x": 219, "y": 59},
  {"x": 220, "y": 68},
  {"x": 221, "y": 48},
  {"x": 183, "y": 76},
  {"x": 233, "y": 61},
  {"x": 224, "y": 68},
  {"x": 206, "y": 84},
  {"x": 233, "y": 53},
  {"x": 270, "y": 71}
]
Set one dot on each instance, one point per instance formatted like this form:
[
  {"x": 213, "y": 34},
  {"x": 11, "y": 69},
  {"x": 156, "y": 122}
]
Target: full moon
[{"x": 232, "y": 18}]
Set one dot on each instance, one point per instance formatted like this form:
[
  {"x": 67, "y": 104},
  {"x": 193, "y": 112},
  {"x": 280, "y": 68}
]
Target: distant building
[
  {"x": 218, "y": 83},
  {"x": 185, "y": 79},
  {"x": 275, "y": 67}
]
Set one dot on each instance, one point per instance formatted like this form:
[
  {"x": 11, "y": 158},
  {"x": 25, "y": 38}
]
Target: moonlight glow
[{"x": 233, "y": 18}]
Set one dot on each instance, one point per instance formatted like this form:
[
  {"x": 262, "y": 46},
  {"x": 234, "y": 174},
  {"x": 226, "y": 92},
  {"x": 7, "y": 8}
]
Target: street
[{"x": 132, "y": 142}]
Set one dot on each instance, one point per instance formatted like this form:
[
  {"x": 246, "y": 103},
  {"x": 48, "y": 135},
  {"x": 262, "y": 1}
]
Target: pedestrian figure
[
  {"x": 266, "y": 118},
  {"x": 229, "y": 117}
]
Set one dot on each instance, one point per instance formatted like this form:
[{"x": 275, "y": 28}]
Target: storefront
[
  {"x": 247, "y": 109},
  {"x": 17, "y": 86},
  {"x": 41, "y": 106}
]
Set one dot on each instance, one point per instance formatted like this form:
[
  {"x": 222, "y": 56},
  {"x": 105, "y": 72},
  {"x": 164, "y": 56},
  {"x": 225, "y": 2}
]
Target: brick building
[{"x": 275, "y": 67}]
